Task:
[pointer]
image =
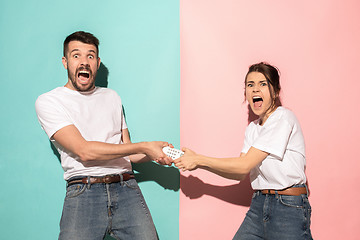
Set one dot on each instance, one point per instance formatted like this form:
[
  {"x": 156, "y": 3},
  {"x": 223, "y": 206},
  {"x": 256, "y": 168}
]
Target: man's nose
[{"x": 84, "y": 61}]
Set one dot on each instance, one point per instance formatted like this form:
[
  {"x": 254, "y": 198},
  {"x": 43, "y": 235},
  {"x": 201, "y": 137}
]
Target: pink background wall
[{"x": 316, "y": 45}]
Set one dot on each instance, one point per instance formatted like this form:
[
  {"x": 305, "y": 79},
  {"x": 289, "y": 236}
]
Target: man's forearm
[
  {"x": 139, "y": 158},
  {"x": 91, "y": 150},
  {"x": 70, "y": 138}
]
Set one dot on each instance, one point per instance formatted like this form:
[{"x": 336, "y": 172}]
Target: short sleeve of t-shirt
[
  {"x": 51, "y": 117},
  {"x": 123, "y": 122},
  {"x": 124, "y": 126},
  {"x": 247, "y": 143},
  {"x": 274, "y": 136}
]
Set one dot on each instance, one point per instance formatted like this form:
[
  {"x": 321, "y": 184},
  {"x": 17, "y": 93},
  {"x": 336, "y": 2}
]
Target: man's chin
[{"x": 84, "y": 88}]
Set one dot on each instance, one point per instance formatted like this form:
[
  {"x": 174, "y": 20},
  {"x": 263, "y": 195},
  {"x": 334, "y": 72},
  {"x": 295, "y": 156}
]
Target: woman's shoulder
[
  {"x": 285, "y": 114},
  {"x": 286, "y": 111},
  {"x": 280, "y": 114}
]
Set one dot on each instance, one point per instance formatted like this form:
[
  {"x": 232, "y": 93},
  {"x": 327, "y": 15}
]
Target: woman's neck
[{"x": 264, "y": 117}]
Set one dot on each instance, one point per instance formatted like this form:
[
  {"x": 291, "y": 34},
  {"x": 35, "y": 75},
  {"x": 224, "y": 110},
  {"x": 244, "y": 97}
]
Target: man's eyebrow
[{"x": 74, "y": 50}]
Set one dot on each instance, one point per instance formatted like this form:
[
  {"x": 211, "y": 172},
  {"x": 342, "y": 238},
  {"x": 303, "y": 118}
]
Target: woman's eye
[
  {"x": 263, "y": 84},
  {"x": 249, "y": 85}
]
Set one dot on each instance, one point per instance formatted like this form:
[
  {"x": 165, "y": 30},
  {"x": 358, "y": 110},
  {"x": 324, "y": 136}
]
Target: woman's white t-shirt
[
  {"x": 282, "y": 138},
  {"x": 98, "y": 116}
]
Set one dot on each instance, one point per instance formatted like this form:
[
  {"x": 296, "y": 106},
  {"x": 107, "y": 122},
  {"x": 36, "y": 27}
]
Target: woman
[{"x": 274, "y": 155}]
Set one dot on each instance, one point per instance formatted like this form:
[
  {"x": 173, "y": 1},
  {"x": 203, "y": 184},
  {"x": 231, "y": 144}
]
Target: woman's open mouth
[{"x": 257, "y": 101}]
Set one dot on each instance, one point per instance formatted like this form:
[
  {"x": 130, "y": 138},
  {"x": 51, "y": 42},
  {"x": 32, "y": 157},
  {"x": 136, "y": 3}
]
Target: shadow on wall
[
  {"x": 102, "y": 76},
  {"x": 167, "y": 177},
  {"x": 238, "y": 194}
]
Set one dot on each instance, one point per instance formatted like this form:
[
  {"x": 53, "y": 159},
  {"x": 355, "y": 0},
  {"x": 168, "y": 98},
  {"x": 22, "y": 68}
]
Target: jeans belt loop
[
  {"x": 89, "y": 182},
  {"x": 307, "y": 189},
  {"x": 121, "y": 180}
]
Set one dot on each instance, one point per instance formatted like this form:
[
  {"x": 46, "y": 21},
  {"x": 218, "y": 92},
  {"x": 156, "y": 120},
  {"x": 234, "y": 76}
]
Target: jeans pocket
[
  {"x": 75, "y": 190},
  {"x": 131, "y": 184},
  {"x": 292, "y": 201}
]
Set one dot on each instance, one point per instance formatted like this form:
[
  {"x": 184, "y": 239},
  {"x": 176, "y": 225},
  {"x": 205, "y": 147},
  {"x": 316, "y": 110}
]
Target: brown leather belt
[
  {"x": 105, "y": 179},
  {"x": 294, "y": 191}
]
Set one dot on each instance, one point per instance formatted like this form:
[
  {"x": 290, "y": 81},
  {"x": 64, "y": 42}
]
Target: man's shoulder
[
  {"x": 101, "y": 91},
  {"x": 105, "y": 90},
  {"x": 50, "y": 94},
  {"x": 61, "y": 94}
]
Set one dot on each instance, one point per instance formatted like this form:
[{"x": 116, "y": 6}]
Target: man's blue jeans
[
  {"x": 277, "y": 217},
  {"x": 118, "y": 209}
]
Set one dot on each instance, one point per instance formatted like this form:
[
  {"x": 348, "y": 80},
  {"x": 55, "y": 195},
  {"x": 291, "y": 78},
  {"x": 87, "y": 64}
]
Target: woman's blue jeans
[
  {"x": 118, "y": 209},
  {"x": 280, "y": 217}
]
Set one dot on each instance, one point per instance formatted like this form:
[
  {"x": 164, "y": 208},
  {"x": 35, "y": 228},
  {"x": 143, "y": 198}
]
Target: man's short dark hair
[{"x": 83, "y": 37}]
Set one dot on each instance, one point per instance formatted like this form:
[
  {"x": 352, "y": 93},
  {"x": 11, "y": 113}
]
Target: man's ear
[
  {"x": 99, "y": 61},
  {"x": 64, "y": 62}
]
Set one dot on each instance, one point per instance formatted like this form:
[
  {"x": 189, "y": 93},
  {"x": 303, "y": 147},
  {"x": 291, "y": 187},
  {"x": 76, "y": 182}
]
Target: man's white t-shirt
[
  {"x": 97, "y": 114},
  {"x": 280, "y": 136}
]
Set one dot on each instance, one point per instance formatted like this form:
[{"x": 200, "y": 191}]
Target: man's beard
[{"x": 79, "y": 87}]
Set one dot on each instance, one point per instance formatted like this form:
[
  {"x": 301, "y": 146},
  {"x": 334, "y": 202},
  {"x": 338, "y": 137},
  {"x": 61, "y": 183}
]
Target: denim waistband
[{"x": 85, "y": 176}]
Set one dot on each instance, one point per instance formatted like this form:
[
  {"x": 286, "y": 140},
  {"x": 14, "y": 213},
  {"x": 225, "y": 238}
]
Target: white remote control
[{"x": 173, "y": 152}]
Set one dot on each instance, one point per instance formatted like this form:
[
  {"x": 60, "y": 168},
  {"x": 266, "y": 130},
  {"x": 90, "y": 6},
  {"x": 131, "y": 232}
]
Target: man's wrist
[{"x": 143, "y": 147}]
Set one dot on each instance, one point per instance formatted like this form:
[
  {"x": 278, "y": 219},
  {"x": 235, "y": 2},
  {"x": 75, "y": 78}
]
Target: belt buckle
[{"x": 107, "y": 179}]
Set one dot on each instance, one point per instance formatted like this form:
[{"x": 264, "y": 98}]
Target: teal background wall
[{"x": 139, "y": 49}]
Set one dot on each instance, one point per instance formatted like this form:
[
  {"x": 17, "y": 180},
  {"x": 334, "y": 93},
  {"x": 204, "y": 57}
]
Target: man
[{"x": 87, "y": 126}]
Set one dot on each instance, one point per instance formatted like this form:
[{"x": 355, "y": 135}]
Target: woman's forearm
[
  {"x": 233, "y": 168},
  {"x": 232, "y": 176},
  {"x": 228, "y": 167}
]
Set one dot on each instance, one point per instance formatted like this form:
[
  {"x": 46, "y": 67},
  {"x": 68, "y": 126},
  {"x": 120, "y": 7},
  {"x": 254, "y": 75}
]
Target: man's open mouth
[{"x": 84, "y": 75}]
